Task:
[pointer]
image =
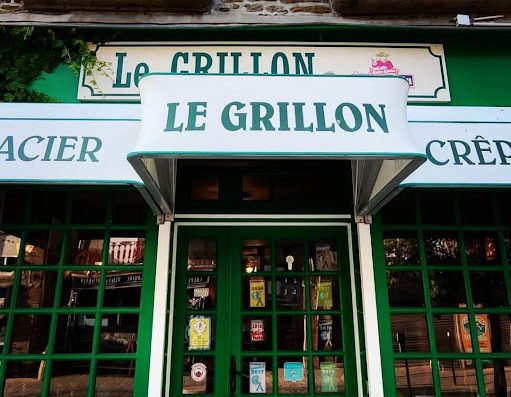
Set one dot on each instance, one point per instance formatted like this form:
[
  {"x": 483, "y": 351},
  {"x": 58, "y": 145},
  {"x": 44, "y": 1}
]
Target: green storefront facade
[{"x": 263, "y": 279}]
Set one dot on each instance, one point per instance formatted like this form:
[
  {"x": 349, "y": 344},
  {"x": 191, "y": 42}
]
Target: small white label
[
  {"x": 199, "y": 372},
  {"x": 290, "y": 260}
]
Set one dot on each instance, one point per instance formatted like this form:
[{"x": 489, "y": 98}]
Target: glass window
[
  {"x": 442, "y": 248},
  {"x": 293, "y": 378},
  {"x": 256, "y": 187},
  {"x": 204, "y": 187},
  {"x": 201, "y": 255},
  {"x": 289, "y": 255},
  {"x": 413, "y": 378},
  {"x": 410, "y": 333},
  {"x": 405, "y": 288},
  {"x": 401, "y": 248},
  {"x": 256, "y": 256}
]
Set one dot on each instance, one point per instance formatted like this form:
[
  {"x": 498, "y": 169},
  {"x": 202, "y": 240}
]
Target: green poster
[
  {"x": 325, "y": 300},
  {"x": 328, "y": 377}
]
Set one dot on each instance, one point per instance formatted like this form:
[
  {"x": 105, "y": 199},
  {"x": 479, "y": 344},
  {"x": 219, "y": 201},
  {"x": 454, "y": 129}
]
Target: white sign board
[
  {"x": 121, "y": 65},
  {"x": 57, "y": 143}
]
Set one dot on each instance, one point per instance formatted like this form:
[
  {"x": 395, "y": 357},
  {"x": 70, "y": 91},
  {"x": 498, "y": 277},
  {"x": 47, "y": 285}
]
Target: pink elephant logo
[{"x": 381, "y": 64}]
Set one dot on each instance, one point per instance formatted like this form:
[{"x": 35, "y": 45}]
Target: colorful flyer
[
  {"x": 293, "y": 372},
  {"x": 325, "y": 300},
  {"x": 257, "y": 292},
  {"x": 257, "y": 378},
  {"x": 325, "y": 332},
  {"x": 328, "y": 377},
  {"x": 256, "y": 330},
  {"x": 483, "y": 331},
  {"x": 199, "y": 333}
]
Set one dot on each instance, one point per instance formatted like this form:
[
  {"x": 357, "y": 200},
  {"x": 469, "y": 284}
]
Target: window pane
[
  {"x": 504, "y": 198},
  {"x": 325, "y": 294},
  {"x": 204, "y": 187},
  {"x": 6, "y": 282},
  {"x": 257, "y": 333},
  {"x": 128, "y": 207},
  {"x": 74, "y": 333},
  {"x": 437, "y": 208},
  {"x": 484, "y": 205},
  {"x": 256, "y": 187},
  {"x": 292, "y": 372},
  {"x": 458, "y": 378},
  {"x": 69, "y": 378},
  {"x": 290, "y": 293},
  {"x": 198, "y": 375},
  {"x": 507, "y": 246},
  {"x": 200, "y": 333},
  {"x": 3, "y": 323},
  {"x": 118, "y": 333},
  {"x": 85, "y": 247},
  {"x": 30, "y": 334},
  {"x": 493, "y": 332},
  {"x": 405, "y": 288},
  {"x": 488, "y": 288},
  {"x": 48, "y": 207},
  {"x": 410, "y": 333},
  {"x": 23, "y": 376},
  {"x": 201, "y": 293},
  {"x": 89, "y": 207},
  {"x": 289, "y": 255},
  {"x": 499, "y": 374},
  {"x": 201, "y": 255},
  {"x": 323, "y": 256},
  {"x": 43, "y": 247},
  {"x": 328, "y": 374},
  {"x": 122, "y": 289},
  {"x": 413, "y": 378},
  {"x": 400, "y": 210},
  {"x": 115, "y": 378},
  {"x": 326, "y": 332},
  {"x": 256, "y": 293},
  {"x": 481, "y": 248},
  {"x": 447, "y": 289},
  {"x": 442, "y": 248},
  {"x": 256, "y": 256},
  {"x": 126, "y": 248},
  {"x": 257, "y": 375},
  {"x": 37, "y": 289},
  {"x": 452, "y": 333},
  {"x": 80, "y": 289},
  {"x": 9, "y": 247},
  {"x": 290, "y": 333},
  {"x": 12, "y": 207},
  {"x": 401, "y": 248}
]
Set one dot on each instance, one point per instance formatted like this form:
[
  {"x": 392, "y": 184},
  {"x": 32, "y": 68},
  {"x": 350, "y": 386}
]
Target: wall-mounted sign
[
  {"x": 199, "y": 329},
  {"x": 257, "y": 377},
  {"x": 123, "y": 64}
]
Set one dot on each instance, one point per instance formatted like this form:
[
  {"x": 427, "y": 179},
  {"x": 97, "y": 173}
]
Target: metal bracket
[
  {"x": 367, "y": 219},
  {"x": 161, "y": 219}
]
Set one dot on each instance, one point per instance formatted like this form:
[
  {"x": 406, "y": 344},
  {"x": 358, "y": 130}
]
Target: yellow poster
[
  {"x": 199, "y": 333},
  {"x": 257, "y": 292},
  {"x": 483, "y": 332}
]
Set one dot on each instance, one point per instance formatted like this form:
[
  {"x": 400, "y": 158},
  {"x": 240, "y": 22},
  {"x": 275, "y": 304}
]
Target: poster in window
[
  {"x": 325, "y": 300},
  {"x": 328, "y": 377},
  {"x": 257, "y": 292},
  {"x": 326, "y": 257},
  {"x": 256, "y": 330},
  {"x": 483, "y": 331},
  {"x": 257, "y": 377},
  {"x": 199, "y": 333}
]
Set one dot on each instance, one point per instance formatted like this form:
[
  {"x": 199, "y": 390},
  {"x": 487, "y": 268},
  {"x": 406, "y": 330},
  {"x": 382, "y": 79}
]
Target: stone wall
[{"x": 273, "y": 7}]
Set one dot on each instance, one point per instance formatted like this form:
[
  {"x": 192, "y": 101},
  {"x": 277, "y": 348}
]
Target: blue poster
[{"x": 293, "y": 372}]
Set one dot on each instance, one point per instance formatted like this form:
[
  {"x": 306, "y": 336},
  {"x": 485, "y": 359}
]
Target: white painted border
[
  {"x": 258, "y": 216},
  {"x": 267, "y": 224}
]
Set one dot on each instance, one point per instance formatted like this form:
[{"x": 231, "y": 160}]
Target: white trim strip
[
  {"x": 159, "y": 311},
  {"x": 262, "y": 223},
  {"x": 258, "y": 216}
]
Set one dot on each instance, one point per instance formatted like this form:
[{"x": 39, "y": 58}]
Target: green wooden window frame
[
  {"x": 108, "y": 227},
  {"x": 409, "y": 211}
]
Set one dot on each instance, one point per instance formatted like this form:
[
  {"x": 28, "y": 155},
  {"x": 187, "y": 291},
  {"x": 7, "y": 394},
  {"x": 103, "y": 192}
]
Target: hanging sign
[
  {"x": 325, "y": 300},
  {"x": 199, "y": 333},
  {"x": 257, "y": 377},
  {"x": 123, "y": 64},
  {"x": 199, "y": 372},
  {"x": 257, "y": 292},
  {"x": 256, "y": 330},
  {"x": 293, "y": 371},
  {"x": 328, "y": 377}
]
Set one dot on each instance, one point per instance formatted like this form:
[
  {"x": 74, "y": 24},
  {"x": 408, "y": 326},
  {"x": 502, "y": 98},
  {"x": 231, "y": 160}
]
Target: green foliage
[{"x": 26, "y": 52}]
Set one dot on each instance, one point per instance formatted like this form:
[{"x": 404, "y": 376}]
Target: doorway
[{"x": 261, "y": 309}]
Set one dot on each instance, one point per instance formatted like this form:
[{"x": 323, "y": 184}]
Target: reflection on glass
[
  {"x": 400, "y": 210},
  {"x": 504, "y": 198},
  {"x": 126, "y": 249},
  {"x": 85, "y": 247},
  {"x": 328, "y": 374},
  {"x": 30, "y": 333},
  {"x": 326, "y": 332},
  {"x": 3, "y": 324},
  {"x": 198, "y": 375},
  {"x": 201, "y": 292},
  {"x": 292, "y": 372},
  {"x": 256, "y": 256},
  {"x": 409, "y": 332},
  {"x": 12, "y": 207},
  {"x": 9, "y": 247},
  {"x": 69, "y": 378},
  {"x": 257, "y": 375},
  {"x": 79, "y": 289},
  {"x": 452, "y": 333},
  {"x": 256, "y": 292},
  {"x": 256, "y": 187},
  {"x": 89, "y": 207},
  {"x": 290, "y": 333},
  {"x": 497, "y": 377},
  {"x": 257, "y": 333},
  {"x": 43, "y": 247},
  {"x": 481, "y": 248},
  {"x": 201, "y": 255},
  {"x": 413, "y": 378},
  {"x": 118, "y": 333},
  {"x": 484, "y": 282},
  {"x": 289, "y": 255},
  {"x": 437, "y": 208},
  {"x": 447, "y": 288},
  {"x": 493, "y": 331},
  {"x": 6, "y": 281},
  {"x": 324, "y": 293},
  {"x": 323, "y": 256},
  {"x": 204, "y": 187},
  {"x": 200, "y": 333},
  {"x": 37, "y": 289},
  {"x": 401, "y": 248},
  {"x": 74, "y": 333},
  {"x": 128, "y": 207},
  {"x": 405, "y": 288},
  {"x": 291, "y": 293},
  {"x": 442, "y": 248},
  {"x": 458, "y": 378},
  {"x": 484, "y": 213},
  {"x": 507, "y": 246},
  {"x": 122, "y": 289},
  {"x": 48, "y": 207},
  {"x": 23, "y": 375},
  {"x": 115, "y": 378}
]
